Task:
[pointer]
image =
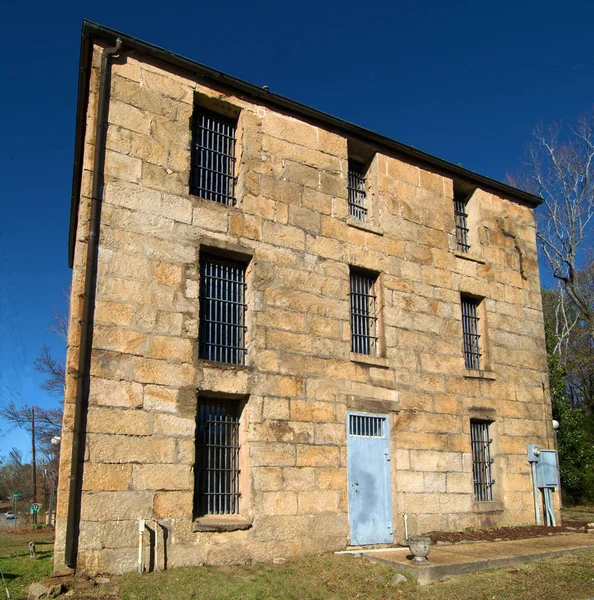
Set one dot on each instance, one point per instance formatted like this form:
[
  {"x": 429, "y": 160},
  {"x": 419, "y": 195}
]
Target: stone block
[
  {"x": 173, "y": 504},
  {"x": 279, "y": 503},
  {"x": 209, "y": 218},
  {"x": 168, "y": 86},
  {"x": 172, "y": 348},
  {"x": 318, "y": 501},
  {"x": 119, "y": 340},
  {"x": 329, "y": 526},
  {"x": 411, "y": 481},
  {"x": 282, "y": 319},
  {"x": 289, "y": 129},
  {"x": 173, "y": 426},
  {"x": 121, "y": 166},
  {"x": 330, "y": 433},
  {"x": 160, "y": 398},
  {"x": 455, "y": 503},
  {"x": 283, "y": 235},
  {"x": 298, "y": 479},
  {"x": 272, "y": 455},
  {"x": 279, "y": 385},
  {"x": 159, "y": 178},
  {"x": 317, "y": 456},
  {"x": 276, "y": 408},
  {"x": 312, "y": 410},
  {"x": 331, "y": 479},
  {"x": 160, "y": 372},
  {"x": 225, "y": 380},
  {"x": 110, "y": 392},
  {"x": 129, "y": 117},
  {"x": 114, "y": 313},
  {"x": 436, "y": 461},
  {"x": 126, "y": 449},
  {"x": 117, "y": 421},
  {"x": 96, "y": 536},
  {"x": 106, "y": 478},
  {"x": 114, "y": 506},
  {"x": 277, "y": 528},
  {"x": 168, "y": 274},
  {"x": 162, "y": 477},
  {"x": 267, "y": 479},
  {"x": 245, "y": 226}
]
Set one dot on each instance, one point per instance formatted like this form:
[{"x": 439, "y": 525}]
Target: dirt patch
[{"x": 499, "y": 534}]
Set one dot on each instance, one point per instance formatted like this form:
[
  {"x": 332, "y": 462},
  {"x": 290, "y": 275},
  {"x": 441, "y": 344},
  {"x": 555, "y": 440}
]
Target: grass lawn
[
  {"x": 327, "y": 577},
  {"x": 20, "y": 570},
  {"x": 578, "y": 513},
  {"x": 346, "y": 578}
]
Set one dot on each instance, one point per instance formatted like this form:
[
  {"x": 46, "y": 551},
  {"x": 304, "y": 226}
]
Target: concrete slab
[{"x": 458, "y": 559}]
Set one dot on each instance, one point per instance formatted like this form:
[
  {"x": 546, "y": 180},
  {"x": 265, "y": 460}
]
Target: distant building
[{"x": 300, "y": 330}]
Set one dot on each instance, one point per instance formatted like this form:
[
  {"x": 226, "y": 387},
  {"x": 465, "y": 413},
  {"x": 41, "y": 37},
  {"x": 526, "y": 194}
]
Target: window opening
[
  {"x": 357, "y": 191},
  {"x": 222, "y": 310},
  {"x": 470, "y": 331},
  {"x": 461, "y": 217},
  {"x": 481, "y": 461},
  {"x": 366, "y": 426},
  {"x": 212, "y": 174},
  {"x": 217, "y": 457},
  {"x": 364, "y": 314}
]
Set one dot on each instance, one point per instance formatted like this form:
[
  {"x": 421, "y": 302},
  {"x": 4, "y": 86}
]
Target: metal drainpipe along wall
[{"x": 88, "y": 311}]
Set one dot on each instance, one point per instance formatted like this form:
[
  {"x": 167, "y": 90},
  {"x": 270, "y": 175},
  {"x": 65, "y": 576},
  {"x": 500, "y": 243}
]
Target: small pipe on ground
[
  {"x": 5, "y": 586},
  {"x": 140, "y": 546},
  {"x": 156, "y": 523},
  {"x": 536, "y": 499},
  {"x": 406, "y": 527}
]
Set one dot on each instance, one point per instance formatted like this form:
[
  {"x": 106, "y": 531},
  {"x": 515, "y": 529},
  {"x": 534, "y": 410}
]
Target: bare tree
[
  {"x": 53, "y": 369},
  {"x": 560, "y": 169},
  {"x": 43, "y": 423}
]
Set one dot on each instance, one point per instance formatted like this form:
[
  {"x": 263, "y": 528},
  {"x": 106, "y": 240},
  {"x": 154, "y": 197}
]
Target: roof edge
[{"x": 92, "y": 30}]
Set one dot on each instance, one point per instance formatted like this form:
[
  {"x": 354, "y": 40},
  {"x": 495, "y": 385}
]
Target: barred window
[
  {"x": 470, "y": 331},
  {"x": 216, "y": 490},
  {"x": 461, "y": 217},
  {"x": 222, "y": 310},
  {"x": 364, "y": 313},
  {"x": 481, "y": 460},
  {"x": 212, "y": 173},
  {"x": 356, "y": 189}
]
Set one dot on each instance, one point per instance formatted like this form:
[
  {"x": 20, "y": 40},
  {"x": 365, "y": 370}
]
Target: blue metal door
[{"x": 370, "y": 497}]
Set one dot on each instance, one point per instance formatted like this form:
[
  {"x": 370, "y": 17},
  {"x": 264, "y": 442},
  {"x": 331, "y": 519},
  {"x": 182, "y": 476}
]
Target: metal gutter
[
  {"x": 92, "y": 30},
  {"x": 88, "y": 311}
]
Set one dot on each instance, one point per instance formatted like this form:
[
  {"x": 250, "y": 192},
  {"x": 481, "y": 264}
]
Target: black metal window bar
[
  {"x": 357, "y": 192},
  {"x": 222, "y": 310},
  {"x": 470, "y": 331},
  {"x": 212, "y": 174},
  {"x": 461, "y": 217},
  {"x": 217, "y": 457},
  {"x": 366, "y": 426},
  {"x": 481, "y": 461},
  {"x": 363, "y": 314}
]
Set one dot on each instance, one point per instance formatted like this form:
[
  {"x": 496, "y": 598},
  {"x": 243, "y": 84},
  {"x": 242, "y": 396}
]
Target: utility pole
[{"x": 33, "y": 460}]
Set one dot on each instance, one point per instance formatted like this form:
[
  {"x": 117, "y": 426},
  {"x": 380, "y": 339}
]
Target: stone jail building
[{"x": 286, "y": 332}]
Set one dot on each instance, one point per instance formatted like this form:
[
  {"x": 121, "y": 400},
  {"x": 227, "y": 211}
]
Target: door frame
[{"x": 387, "y": 470}]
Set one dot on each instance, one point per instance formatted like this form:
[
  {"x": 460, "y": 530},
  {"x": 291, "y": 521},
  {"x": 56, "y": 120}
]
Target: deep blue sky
[{"x": 466, "y": 81}]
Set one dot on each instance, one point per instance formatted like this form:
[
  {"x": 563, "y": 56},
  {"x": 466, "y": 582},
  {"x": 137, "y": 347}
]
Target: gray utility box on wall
[{"x": 546, "y": 469}]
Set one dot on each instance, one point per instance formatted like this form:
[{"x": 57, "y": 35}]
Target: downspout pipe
[{"x": 88, "y": 312}]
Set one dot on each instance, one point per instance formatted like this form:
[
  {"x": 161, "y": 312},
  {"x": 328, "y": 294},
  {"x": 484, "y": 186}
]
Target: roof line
[{"x": 91, "y": 30}]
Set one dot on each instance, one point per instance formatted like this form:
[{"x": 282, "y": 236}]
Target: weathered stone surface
[
  {"x": 162, "y": 477},
  {"x": 111, "y": 392},
  {"x": 290, "y": 225},
  {"x": 38, "y": 591},
  {"x": 106, "y": 477}
]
